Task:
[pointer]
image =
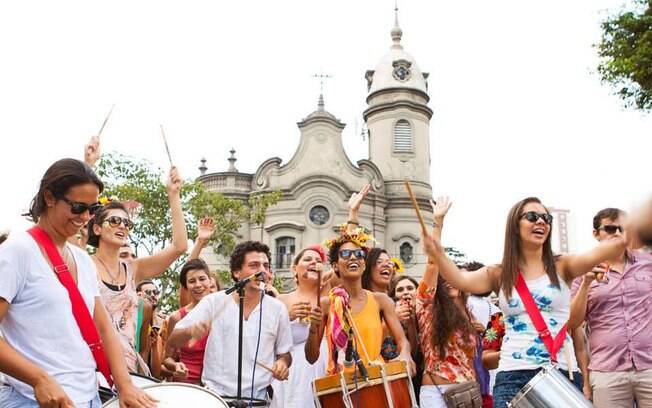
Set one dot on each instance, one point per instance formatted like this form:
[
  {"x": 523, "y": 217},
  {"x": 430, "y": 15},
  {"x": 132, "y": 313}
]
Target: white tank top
[{"x": 522, "y": 348}]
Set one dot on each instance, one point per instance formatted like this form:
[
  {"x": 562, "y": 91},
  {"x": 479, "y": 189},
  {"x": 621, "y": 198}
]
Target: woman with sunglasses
[
  {"x": 349, "y": 304},
  {"x": 42, "y": 351},
  {"x": 296, "y": 392},
  {"x": 108, "y": 232},
  {"x": 528, "y": 252}
]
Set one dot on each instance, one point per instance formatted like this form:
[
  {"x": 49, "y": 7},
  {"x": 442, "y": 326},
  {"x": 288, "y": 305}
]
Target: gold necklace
[{"x": 114, "y": 279}]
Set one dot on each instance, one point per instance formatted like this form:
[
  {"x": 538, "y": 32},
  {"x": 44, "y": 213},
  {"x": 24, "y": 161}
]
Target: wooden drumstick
[
  {"x": 319, "y": 268},
  {"x": 165, "y": 141},
  {"x": 105, "y": 120},
  {"x": 424, "y": 230},
  {"x": 259, "y": 364}
]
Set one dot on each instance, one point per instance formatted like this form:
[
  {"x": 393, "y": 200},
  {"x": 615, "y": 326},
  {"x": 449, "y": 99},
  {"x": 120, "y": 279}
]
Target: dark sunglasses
[
  {"x": 151, "y": 292},
  {"x": 611, "y": 229},
  {"x": 346, "y": 253},
  {"x": 80, "y": 208},
  {"x": 115, "y": 221},
  {"x": 534, "y": 216}
]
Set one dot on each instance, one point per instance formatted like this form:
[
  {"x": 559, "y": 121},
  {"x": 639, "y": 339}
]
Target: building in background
[{"x": 319, "y": 179}]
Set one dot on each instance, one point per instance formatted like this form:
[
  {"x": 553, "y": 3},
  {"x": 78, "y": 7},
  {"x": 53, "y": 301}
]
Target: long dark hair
[
  {"x": 448, "y": 319},
  {"x": 100, "y": 216},
  {"x": 512, "y": 254},
  {"x": 58, "y": 179},
  {"x": 370, "y": 263}
]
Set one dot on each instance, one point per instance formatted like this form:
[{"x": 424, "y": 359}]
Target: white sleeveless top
[{"x": 522, "y": 348}]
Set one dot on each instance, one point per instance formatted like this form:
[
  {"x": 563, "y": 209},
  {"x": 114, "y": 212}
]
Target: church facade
[{"x": 317, "y": 182}]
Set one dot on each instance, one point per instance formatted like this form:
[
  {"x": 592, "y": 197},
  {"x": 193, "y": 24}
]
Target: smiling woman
[{"x": 32, "y": 298}]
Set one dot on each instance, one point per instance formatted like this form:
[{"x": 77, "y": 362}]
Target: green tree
[
  {"x": 258, "y": 205},
  {"x": 136, "y": 180},
  {"x": 626, "y": 54}
]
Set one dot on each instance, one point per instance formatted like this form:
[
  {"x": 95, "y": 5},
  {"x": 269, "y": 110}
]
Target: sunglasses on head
[
  {"x": 346, "y": 253},
  {"x": 115, "y": 221},
  {"x": 534, "y": 216},
  {"x": 611, "y": 229},
  {"x": 80, "y": 208}
]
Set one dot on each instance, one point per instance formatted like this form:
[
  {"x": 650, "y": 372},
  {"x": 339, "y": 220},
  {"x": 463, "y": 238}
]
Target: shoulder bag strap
[{"x": 79, "y": 310}]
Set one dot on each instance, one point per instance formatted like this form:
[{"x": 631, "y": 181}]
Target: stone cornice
[{"x": 382, "y": 107}]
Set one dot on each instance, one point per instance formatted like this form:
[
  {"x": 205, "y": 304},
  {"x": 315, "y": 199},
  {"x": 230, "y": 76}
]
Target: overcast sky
[{"x": 518, "y": 107}]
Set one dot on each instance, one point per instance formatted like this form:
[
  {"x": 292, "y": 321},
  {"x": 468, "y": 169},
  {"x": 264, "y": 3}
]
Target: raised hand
[
  {"x": 403, "y": 311},
  {"x": 175, "y": 182},
  {"x": 357, "y": 198},
  {"x": 92, "y": 151},
  {"x": 440, "y": 208},
  {"x": 205, "y": 229}
]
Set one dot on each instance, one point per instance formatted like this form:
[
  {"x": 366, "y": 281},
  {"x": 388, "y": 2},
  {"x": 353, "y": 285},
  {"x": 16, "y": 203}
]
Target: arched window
[
  {"x": 406, "y": 252},
  {"x": 285, "y": 248},
  {"x": 402, "y": 137}
]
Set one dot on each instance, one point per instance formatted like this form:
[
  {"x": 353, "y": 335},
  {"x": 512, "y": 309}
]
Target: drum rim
[
  {"x": 166, "y": 384},
  {"x": 529, "y": 385}
]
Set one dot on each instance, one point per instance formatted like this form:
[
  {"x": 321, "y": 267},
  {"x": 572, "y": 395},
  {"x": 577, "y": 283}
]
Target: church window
[
  {"x": 285, "y": 248},
  {"x": 402, "y": 137},
  {"x": 406, "y": 253},
  {"x": 319, "y": 215}
]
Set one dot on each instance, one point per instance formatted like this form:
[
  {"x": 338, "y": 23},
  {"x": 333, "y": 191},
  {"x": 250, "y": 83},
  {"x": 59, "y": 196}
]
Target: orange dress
[{"x": 369, "y": 325}]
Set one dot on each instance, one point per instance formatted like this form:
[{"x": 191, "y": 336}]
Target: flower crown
[
  {"x": 105, "y": 200},
  {"x": 398, "y": 265},
  {"x": 358, "y": 236}
]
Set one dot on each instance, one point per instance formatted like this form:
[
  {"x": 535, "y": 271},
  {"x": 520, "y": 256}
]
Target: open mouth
[
  {"x": 121, "y": 234},
  {"x": 539, "y": 232},
  {"x": 386, "y": 273},
  {"x": 353, "y": 266}
]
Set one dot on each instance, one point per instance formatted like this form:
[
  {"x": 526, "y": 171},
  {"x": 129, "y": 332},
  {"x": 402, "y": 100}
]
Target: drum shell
[
  {"x": 549, "y": 389},
  {"x": 328, "y": 389}
]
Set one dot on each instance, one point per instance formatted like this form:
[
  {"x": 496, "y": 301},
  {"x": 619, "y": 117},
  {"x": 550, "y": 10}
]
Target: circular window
[{"x": 319, "y": 215}]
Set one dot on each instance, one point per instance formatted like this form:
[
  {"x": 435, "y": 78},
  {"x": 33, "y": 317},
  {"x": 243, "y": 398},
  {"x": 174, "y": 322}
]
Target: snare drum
[
  {"x": 106, "y": 393},
  {"x": 178, "y": 395},
  {"x": 389, "y": 386},
  {"x": 549, "y": 389}
]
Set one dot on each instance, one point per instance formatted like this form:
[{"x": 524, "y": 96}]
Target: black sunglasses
[
  {"x": 611, "y": 229},
  {"x": 346, "y": 253},
  {"x": 150, "y": 292},
  {"x": 534, "y": 216},
  {"x": 80, "y": 208},
  {"x": 115, "y": 221}
]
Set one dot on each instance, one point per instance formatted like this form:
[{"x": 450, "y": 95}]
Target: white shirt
[
  {"x": 39, "y": 323},
  {"x": 220, "y": 371},
  {"x": 481, "y": 308}
]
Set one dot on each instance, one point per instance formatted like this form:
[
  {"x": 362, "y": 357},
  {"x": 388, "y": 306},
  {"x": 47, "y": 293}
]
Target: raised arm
[
  {"x": 318, "y": 318},
  {"x": 439, "y": 211},
  {"x": 573, "y": 266},
  {"x": 151, "y": 266},
  {"x": 354, "y": 207},
  {"x": 92, "y": 151},
  {"x": 205, "y": 230}
]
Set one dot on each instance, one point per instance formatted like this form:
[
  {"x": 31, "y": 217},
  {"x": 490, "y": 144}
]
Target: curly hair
[
  {"x": 448, "y": 320},
  {"x": 370, "y": 262},
  {"x": 334, "y": 253},
  {"x": 241, "y": 250},
  {"x": 192, "y": 265},
  {"x": 100, "y": 216}
]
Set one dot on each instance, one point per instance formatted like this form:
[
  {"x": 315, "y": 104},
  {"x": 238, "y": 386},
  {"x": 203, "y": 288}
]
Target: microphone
[
  {"x": 241, "y": 283},
  {"x": 348, "y": 354}
]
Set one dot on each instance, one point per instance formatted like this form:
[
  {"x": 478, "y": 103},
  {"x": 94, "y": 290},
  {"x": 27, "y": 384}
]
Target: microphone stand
[{"x": 239, "y": 402}]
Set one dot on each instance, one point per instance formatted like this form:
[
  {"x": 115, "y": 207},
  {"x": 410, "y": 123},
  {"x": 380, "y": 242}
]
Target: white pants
[{"x": 432, "y": 396}]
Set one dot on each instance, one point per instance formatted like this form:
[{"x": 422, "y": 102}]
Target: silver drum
[
  {"x": 549, "y": 389},
  {"x": 177, "y": 395}
]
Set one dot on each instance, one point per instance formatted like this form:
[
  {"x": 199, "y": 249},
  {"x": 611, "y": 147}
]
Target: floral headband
[{"x": 358, "y": 236}]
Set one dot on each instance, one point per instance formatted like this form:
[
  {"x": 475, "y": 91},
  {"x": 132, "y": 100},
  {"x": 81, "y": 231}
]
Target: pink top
[
  {"x": 619, "y": 317},
  {"x": 192, "y": 357}
]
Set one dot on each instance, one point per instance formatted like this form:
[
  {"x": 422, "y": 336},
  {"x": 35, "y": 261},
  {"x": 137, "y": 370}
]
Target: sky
[{"x": 519, "y": 109}]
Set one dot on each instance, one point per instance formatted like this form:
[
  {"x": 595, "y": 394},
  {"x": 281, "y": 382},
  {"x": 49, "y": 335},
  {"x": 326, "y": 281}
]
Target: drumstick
[
  {"x": 167, "y": 149},
  {"x": 105, "y": 120},
  {"x": 319, "y": 267},
  {"x": 424, "y": 230},
  {"x": 258, "y": 363},
  {"x": 357, "y": 334}
]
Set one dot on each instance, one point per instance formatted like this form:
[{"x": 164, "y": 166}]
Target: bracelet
[{"x": 353, "y": 222}]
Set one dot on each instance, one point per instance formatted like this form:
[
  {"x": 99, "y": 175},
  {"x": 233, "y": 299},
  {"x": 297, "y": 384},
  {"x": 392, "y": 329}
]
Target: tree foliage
[
  {"x": 127, "y": 178},
  {"x": 626, "y": 54},
  {"x": 258, "y": 205}
]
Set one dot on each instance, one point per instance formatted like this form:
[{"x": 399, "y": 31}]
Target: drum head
[{"x": 172, "y": 395}]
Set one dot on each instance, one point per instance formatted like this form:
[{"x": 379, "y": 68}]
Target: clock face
[
  {"x": 401, "y": 73},
  {"x": 319, "y": 215}
]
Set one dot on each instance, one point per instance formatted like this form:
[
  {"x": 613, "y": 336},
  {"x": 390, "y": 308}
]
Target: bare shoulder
[{"x": 383, "y": 299}]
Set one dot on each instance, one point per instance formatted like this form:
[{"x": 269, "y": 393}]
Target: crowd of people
[{"x": 460, "y": 329}]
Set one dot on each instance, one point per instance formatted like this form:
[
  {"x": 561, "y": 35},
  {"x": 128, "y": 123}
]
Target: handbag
[
  {"x": 463, "y": 395},
  {"x": 79, "y": 310}
]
